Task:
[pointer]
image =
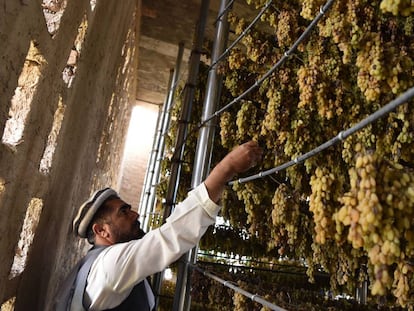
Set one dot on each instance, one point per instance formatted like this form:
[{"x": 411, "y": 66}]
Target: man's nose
[{"x": 133, "y": 214}]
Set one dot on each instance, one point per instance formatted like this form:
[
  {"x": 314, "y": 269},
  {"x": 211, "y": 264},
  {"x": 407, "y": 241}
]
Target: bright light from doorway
[
  {"x": 138, "y": 147},
  {"x": 168, "y": 274},
  {"x": 141, "y": 129}
]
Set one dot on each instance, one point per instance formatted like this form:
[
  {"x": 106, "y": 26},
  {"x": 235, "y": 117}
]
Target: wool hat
[{"x": 88, "y": 210}]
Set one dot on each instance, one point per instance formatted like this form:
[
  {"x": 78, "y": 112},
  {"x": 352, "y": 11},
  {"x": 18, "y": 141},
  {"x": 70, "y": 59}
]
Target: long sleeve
[{"x": 121, "y": 266}]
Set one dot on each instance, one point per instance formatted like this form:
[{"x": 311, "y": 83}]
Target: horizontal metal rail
[
  {"x": 253, "y": 297},
  {"x": 403, "y": 98}
]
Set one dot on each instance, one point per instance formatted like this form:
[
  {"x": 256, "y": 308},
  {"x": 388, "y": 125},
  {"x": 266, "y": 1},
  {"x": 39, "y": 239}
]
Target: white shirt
[{"x": 119, "y": 267}]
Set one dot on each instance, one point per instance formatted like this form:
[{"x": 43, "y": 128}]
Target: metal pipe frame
[
  {"x": 163, "y": 129},
  {"x": 182, "y": 278},
  {"x": 165, "y": 126},
  {"x": 149, "y": 176},
  {"x": 205, "y": 141}
]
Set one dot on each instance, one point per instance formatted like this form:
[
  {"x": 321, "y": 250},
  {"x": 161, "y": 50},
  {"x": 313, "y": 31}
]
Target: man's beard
[
  {"x": 140, "y": 234},
  {"x": 135, "y": 233}
]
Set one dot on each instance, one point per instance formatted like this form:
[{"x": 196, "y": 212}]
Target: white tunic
[{"x": 121, "y": 266}]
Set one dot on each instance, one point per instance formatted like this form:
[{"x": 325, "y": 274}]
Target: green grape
[{"x": 397, "y": 7}]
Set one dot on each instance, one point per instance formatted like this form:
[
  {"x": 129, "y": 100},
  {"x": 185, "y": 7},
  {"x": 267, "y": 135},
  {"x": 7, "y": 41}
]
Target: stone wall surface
[{"x": 90, "y": 139}]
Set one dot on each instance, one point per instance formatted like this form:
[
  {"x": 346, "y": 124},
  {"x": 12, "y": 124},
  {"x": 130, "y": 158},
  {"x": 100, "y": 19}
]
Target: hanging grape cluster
[
  {"x": 349, "y": 210},
  {"x": 349, "y": 207}
]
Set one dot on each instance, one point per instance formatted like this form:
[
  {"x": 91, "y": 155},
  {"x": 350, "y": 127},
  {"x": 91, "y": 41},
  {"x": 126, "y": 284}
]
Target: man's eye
[{"x": 125, "y": 208}]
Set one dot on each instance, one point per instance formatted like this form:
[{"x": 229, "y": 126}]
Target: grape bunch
[
  {"x": 371, "y": 70},
  {"x": 310, "y": 8},
  {"x": 320, "y": 203},
  {"x": 285, "y": 219},
  {"x": 378, "y": 220},
  {"x": 287, "y": 27},
  {"x": 246, "y": 121},
  {"x": 397, "y": 7}
]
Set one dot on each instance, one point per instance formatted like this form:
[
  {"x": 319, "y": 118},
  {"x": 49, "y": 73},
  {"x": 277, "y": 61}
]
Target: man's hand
[
  {"x": 242, "y": 158},
  {"x": 237, "y": 161}
]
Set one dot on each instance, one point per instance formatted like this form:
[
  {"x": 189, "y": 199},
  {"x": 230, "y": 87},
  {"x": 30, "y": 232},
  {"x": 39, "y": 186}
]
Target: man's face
[{"x": 122, "y": 222}]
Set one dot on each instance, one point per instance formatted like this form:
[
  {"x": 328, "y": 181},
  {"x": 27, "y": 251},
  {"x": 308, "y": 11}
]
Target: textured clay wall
[{"x": 67, "y": 78}]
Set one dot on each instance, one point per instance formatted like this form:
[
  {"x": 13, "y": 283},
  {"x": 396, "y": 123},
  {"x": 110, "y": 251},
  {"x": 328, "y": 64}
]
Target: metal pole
[
  {"x": 361, "y": 293},
  {"x": 185, "y": 114},
  {"x": 165, "y": 126},
  {"x": 206, "y": 136},
  {"x": 143, "y": 206},
  {"x": 182, "y": 276},
  {"x": 157, "y": 280}
]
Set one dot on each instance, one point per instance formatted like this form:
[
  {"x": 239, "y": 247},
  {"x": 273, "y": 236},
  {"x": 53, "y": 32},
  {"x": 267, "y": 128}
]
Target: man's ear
[{"x": 100, "y": 230}]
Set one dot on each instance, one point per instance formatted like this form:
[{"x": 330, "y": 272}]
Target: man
[{"x": 113, "y": 274}]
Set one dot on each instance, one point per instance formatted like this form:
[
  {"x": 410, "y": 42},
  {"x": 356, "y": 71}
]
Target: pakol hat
[{"x": 88, "y": 210}]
